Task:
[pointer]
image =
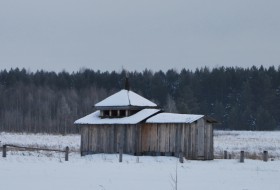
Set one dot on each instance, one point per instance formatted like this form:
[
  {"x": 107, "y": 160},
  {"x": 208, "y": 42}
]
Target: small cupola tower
[{"x": 123, "y": 103}]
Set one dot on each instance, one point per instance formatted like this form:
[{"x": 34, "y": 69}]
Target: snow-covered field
[
  {"x": 42, "y": 140},
  {"x": 252, "y": 142},
  {"x": 39, "y": 170},
  {"x": 99, "y": 172}
]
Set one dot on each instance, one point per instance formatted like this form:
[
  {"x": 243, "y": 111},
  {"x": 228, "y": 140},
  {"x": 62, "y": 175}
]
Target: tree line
[{"x": 239, "y": 98}]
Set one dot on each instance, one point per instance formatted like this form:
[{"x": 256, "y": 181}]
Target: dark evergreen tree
[{"x": 240, "y": 99}]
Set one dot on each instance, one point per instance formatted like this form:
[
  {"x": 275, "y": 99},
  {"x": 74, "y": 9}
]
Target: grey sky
[{"x": 154, "y": 34}]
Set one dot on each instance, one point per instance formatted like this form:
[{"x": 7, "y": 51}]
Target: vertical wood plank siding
[{"x": 194, "y": 140}]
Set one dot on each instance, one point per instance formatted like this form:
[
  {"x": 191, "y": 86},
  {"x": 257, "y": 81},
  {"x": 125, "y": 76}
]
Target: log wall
[
  {"x": 194, "y": 140},
  {"x": 109, "y": 139}
]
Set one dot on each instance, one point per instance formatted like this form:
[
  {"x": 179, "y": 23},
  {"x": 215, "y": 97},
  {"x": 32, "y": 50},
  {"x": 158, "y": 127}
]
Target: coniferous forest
[{"x": 239, "y": 98}]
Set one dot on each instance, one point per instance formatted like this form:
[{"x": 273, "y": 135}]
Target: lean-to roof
[{"x": 174, "y": 118}]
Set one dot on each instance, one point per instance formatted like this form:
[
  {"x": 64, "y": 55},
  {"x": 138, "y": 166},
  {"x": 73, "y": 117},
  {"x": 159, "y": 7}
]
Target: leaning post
[{"x": 66, "y": 153}]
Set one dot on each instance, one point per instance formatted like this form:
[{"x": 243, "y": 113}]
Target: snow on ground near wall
[
  {"x": 37, "y": 170},
  {"x": 103, "y": 171},
  {"x": 253, "y": 142}
]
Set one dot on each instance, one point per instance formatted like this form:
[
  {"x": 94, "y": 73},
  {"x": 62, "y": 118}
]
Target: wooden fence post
[
  {"x": 120, "y": 154},
  {"x": 265, "y": 156},
  {"x": 229, "y": 156},
  {"x": 181, "y": 158},
  {"x": 66, "y": 153},
  {"x": 242, "y": 156},
  {"x": 225, "y": 154},
  {"x": 4, "y": 150}
]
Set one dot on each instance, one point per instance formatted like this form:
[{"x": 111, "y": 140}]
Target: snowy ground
[
  {"x": 41, "y": 140},
  {"x": 39, "y": 170},
  {"x": 99, "y": 172},
  {"x": 252, "y": 142}
]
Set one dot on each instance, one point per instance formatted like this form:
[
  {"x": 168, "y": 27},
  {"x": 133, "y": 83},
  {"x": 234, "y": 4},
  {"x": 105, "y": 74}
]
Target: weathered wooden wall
[
  {"x": 109, "y": 139},
  {"x": 194, "y": 140}
]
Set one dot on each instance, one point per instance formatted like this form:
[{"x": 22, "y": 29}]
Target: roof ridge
[{"x": 125, "y": 98}]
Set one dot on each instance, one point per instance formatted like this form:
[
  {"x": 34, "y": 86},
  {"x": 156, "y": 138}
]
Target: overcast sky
[{"x": 156, "y": 34}]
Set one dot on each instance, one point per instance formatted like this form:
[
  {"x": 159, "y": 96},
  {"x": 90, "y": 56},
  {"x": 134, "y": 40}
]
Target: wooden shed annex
[{"x": 136, "y": 125}]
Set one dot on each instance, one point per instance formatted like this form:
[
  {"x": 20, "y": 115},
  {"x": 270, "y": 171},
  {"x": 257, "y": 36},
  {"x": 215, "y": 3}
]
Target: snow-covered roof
[
  {"x": 94, "y": 118},
  {"x": 173, "y": 118},
  {"x": 125, "y": 98}
]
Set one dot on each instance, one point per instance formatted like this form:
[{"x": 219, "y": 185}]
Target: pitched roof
[
  {"x": 94, "y": 118},
  {"x": 125, "y": 98},
  {"x": 174, "y": 118}
]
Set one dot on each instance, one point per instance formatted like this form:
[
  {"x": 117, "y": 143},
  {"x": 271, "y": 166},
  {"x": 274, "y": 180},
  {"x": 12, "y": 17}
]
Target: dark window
[
  {"x": 114, "y": 113},
  {"x": 106, "y": 113},
  {"x": 122, "y": 113}
]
